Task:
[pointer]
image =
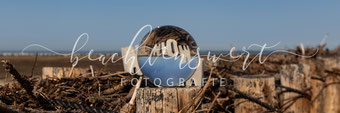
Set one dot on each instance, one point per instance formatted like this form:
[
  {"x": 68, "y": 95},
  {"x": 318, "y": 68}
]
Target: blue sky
[{"x": 215, "y": 25}]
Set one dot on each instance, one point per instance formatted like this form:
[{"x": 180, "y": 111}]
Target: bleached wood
[
  {"x": 258, "y": 86},
  {"x": 130, "y": 60},
  {"x": 60, "y": 72},
  {"x": 164, "y": 100},
  {"x": 296, "y": 76}
]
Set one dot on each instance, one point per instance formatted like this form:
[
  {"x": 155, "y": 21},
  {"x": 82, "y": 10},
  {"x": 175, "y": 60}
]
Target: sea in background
[{"x": 203, "y": 52}]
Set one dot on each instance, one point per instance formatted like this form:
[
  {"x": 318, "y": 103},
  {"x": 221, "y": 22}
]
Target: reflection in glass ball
[{"x": 167, "y": 56}]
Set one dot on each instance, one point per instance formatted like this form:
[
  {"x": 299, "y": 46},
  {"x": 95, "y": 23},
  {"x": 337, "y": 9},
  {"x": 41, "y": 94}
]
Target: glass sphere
[{"x": 168, "y": 56}]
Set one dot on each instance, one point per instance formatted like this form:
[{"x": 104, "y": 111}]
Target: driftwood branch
[
  {"x": 5, "y": 109},
  {"x": 288, "y": 89},
  {"x": 34, "y": 64},
  {"x": 250, "y": 98},
  {"x": 24, "y": 83}
]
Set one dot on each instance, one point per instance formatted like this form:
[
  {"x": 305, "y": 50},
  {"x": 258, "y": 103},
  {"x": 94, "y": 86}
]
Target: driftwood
[
  {"x": 295, "y": 78},
  {"x": 326, "y": 90},
  {"x": 79, "y": 93},
  {"x": 159, "y": 100},
  {"x": 322, "y": 92},
  {"x": 259, "y": 87},
  {"x": 61, "y": 72},
  {"x": 6, "y": 109},
  {"x": 130, "y": 107},
  {"x": 27, "y": 86}
]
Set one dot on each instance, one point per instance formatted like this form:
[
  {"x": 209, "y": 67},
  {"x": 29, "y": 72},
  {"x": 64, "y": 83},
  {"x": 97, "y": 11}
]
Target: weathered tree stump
[
  {"x": 60, "y": 72},
  {"x": 258, "y": 86},
  {"x": 164, "y": 100},
  {"x": 296, "y": 77},
  {"x": 325, "y": 93},
  {"x": 330, "y": 62},
  {"x": 327, "y": 99},
  {"x": 332, "y": 98},
  {"x": 318, "y": 95}
]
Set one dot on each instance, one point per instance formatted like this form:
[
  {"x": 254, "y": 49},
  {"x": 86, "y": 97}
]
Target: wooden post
[
  {"x": 258, "y": 86},
  {"x": 130, "y": 60},
  {"x": 332, "y": 98},
  {"x": 164, "y": 100},
  {"x": 330, "y": 62},
  {"x": 295, "y": 76},
  {"x": 327, "y": 99},
  {"x": 60, "y": 72},
  {"x": 319, "y": 102}
]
